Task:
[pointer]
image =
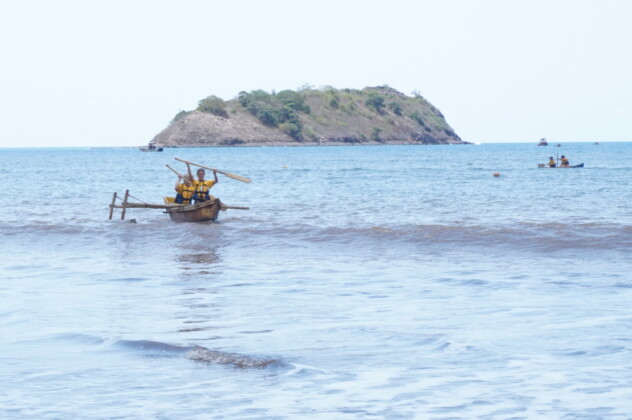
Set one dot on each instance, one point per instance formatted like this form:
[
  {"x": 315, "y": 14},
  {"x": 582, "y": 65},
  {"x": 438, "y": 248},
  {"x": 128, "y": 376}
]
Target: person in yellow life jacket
[
  {"x": 565, "y": 161},
  {"x": 203, "y": 186},
  {"x": 184, "y": 189},
  {"x": 552, "y": 163}
]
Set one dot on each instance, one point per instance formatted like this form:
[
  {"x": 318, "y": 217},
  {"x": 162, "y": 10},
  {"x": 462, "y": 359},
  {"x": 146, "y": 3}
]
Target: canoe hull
[
  {"x": 202, "y": 212},
  {"x": 543, "y": 166}
]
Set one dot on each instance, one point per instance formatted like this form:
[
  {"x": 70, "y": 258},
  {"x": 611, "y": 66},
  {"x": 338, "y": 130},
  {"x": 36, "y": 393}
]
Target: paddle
[
  {"x": 233, "y": 176},
  {"x": 176, "y": 172}
]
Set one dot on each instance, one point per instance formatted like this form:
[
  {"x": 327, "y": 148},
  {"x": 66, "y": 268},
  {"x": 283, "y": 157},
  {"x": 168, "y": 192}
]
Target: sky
[{"x": 78, "y": 73}]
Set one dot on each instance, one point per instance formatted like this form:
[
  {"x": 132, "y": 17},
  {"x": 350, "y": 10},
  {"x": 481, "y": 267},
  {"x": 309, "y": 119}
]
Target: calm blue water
[{"x": 364, "y": 282}]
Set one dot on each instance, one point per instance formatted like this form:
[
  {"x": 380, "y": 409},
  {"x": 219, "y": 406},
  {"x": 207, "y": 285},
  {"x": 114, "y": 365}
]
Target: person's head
[
  {"x": 563, "y": 156},
  {"x": 187, "y": 180},
  {"x": 200, "y": 174},
  {"x": 551, "y": 157}
]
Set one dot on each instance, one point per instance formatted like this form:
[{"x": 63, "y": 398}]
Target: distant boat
[
  {"x": 543, "y": 166},
  {"x": 150, "y": 148},
  {"x": 543, "y": 142},
  {"x": 596, "y": 143},
  {"x": 558, "y": 145}
]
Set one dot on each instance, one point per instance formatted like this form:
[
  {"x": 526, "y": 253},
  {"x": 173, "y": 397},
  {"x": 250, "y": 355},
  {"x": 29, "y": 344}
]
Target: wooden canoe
[
  {"x": 543, "y": 166},
  {"x": 202, "y": 212}
]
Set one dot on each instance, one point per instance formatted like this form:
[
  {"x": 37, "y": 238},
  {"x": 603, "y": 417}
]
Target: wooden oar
[
  {"x": 233, "y": 176},
  {"x": 177, "y": 173}
]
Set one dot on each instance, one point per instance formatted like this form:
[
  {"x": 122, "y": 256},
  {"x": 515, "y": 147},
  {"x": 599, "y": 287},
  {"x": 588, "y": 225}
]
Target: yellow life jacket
[
  {"x": 201, "y": 190},
  {"x": 185, "y": 194}
]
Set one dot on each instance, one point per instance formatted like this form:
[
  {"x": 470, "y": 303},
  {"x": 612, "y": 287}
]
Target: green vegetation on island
[{"x": 373, "y": 115}]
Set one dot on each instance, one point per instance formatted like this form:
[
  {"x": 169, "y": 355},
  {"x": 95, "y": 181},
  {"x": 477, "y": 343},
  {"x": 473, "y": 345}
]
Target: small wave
[
  {"x": 152, "y": 347},
  {"x": 538, "y": 237},
  {"x": 157, "y": 349},
  {"x": 75, "y": 338},
  {"x": 199, "y": 353},
  {"x": 12, "y": 228},
  {"x": 101, "y": 234},
  {"x": 547, "y": 237}
]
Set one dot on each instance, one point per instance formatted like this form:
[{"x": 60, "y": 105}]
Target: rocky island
[{"x": 308, "y": 117}]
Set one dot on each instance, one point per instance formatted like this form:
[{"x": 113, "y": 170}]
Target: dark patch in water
[
  {"x": 200, "y": 258},
  {"x": 575, "y": 353},
  {"x": 202, "y": 354},
  {"x": 195, "y": 329},
  {"x": 475, "y": 282},
  {"x": 215, "y": 337}
]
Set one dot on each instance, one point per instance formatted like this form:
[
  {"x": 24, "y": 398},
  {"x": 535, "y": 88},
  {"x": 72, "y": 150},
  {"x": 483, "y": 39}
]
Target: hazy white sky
[{"x": 114, "y": 73}]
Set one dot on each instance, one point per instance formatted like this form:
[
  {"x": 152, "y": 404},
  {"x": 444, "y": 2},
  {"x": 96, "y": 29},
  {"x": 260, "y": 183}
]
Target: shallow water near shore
[{"x": 364, "y": 282}]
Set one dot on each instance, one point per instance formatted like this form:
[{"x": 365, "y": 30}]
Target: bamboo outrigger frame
[{"x": 200, "y": 212}]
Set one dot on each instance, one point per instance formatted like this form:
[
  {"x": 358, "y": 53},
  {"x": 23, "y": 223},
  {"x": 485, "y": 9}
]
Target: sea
[{"x": 364, "y": 282}]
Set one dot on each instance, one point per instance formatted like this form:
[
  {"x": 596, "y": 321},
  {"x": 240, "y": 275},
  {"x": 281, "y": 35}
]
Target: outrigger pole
[
  {"x": 124, "y": 204},
  {"x": 112, "y": 206},
  {"x": 127, "y": 205}
]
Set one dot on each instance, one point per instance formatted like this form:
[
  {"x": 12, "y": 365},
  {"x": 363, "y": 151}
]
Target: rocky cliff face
[
  {"x": 200, "y": 129},
  {"x": 379, "y": 115}
]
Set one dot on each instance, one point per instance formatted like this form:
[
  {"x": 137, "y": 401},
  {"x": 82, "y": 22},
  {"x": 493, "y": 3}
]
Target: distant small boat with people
[
  {"x": 150, "y": 148},
  {"x": 543, "y": 142},
  {"x": 542, "y": 165},
  {"x": 559, "y": 163}
]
